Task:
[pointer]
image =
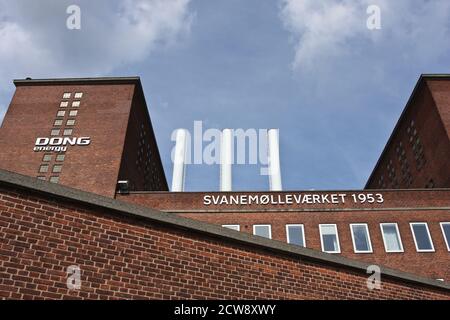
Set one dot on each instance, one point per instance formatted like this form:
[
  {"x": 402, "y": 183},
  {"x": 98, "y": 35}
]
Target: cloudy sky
[{"x": 311, "y": 68}]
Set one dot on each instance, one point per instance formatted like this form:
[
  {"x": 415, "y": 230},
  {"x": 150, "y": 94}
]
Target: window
[
  {"x": 262, "y": 230},
  {"x": 295, "y": 234},
  {"x": 78, "y": 95},
  {"x": 60, "y": 157},
  {"x": 57, "y": 168},
  {"x": 54, "y": 179},
  {"x": 391, "y": 237},
  {"x": 361, "y": 238},
  {"x": 58, "y": 122},
  {"x": 64, "y": 104},
  {"x": 445, "y": 226},
  {"x": 68, "y": 132},
  {"x": 329, "y": 238},
  {"x": 232, "y": 226},
  {"x": 61, "y": 113},
  {"x": 43, "y": 168},
  {"x": 66, "y": 95},
  {"x": 41, "y": 178},
  {"x": 70, "y": 122},
  {"x": 73, "y": 113},
  {"x": 54, "y": 132},
  {"x": 76, "y": 104},
  {"x": 47, "y": 158},
  {"x": 422, "y": 237}
]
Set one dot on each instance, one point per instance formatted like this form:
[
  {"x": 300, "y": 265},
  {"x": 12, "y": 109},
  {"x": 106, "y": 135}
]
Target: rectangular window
[
  {"x": 43, "y": 168},
  {"x": 47, "y": 158},
  {"x": 361, "y": 238},
  {"x": 66, "y": 95},
  {"x": 57, "y": 168},
  {"x": 41, "y": 178},
  {"x": 76, "y": 104},
  {"x": 262, "y": 230},
  {"x": 295, "y": 234},
  {"x": 54, "y": 179},
  {"x": 70, "y": 122},
  {"x": 391, "y": 237},
  {"x": 232, "y": 226},
  {"x": 445, "y": 226},
  {"x": 61, "y": 113},
  {"x": 78, "y": 95},
  {"x": 422, "y": 237},
  {"x": 68, "y": 132},
  {"x": 60, "y": 157},
  {"x": 329, "y": 238},
  {"x": 64, "y": 104},
  {"x": 55, "y": 132},
  {"x": 58, "y": 122},
  {"x": 73, "y": 113}
]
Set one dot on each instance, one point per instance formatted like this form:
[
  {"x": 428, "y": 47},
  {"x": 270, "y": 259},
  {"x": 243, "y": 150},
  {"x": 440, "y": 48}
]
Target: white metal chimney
[
  {"x": 274, "y": 160},
  {"x": 226, "y": 160},
  {"x": 179, "y": 161}
]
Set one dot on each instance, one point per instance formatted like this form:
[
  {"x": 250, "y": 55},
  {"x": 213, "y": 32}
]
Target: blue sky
[{"x": 311, "y": 68}]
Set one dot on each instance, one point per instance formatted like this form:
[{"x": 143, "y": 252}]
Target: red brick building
[
  {"x": 417, "y": 153},
  {"x": 145, "y": 242}
]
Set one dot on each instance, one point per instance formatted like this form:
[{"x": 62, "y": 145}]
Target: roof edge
[
  {"x": 67, "y": 193},
  {"x": 52, "y": 81}
]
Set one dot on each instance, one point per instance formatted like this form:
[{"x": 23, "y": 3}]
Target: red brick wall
[
  {"x": 141, "y": 164},
  {"x": 102, "y": 115},
  {"x": 126, "y": 257},
  {"x": 398, "y": 207},
  {"x": 429, "y": 109}
]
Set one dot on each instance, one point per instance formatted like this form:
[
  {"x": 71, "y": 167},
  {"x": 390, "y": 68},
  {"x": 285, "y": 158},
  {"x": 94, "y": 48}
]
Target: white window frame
[
  {"x": 399, "y": 237},
  {"x": 263, "y": 225},
  {"x": 337, "y": 237},
  {"x": 368, "y": 238},
  {"x": 73, "y": 113},
  {"x": 64, "y": 104},
  {"x": 61, "y": 113},
  {"x": 78, "y": 95},
  {"x": 303, "y": 233},
  {"x": 411, "y": 224},
  {"x": 67, "y": 95},
  {"x": 232, "y": 227},
  {"x": 75, "y": 104},
  {"x": 443, "y": 234}
]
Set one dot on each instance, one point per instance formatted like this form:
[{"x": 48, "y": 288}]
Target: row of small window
[
  {"x": 53, "y": 179},
  {"x": 65, "y": 104},
  {"x": 57, "y": 132},
  {"x": 329, "y": 238},
  {"x": 67, "y": 95},
  {"x": 48, "y": 157},
  {"x": 57, "y": 168},
  {"x": 62, "y": 113},
  {"x": 59, "y": 122}
]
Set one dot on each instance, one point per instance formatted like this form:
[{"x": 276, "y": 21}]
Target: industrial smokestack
[
  {"x": 226, "y": 160},
  {"x": 179, "y": 161},
  {"x": 274, "y": 160}
]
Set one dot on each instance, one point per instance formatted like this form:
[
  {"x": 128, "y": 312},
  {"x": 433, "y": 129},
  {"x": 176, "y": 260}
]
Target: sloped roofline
[
  {"x": 85, "y": 198},
  {"x": 422, "y": 78}
]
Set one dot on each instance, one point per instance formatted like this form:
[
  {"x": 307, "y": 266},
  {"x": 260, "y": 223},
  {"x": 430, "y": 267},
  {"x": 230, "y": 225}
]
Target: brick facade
[
  {"x": 130, "y": 252},
  {"x": 417, "y": 153},
  {"x": 401, "y": 207},
  {"x": 106, "y": 113}
]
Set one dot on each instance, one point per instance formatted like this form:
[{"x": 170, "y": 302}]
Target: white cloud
[
  {"x": 327, "y": 31},
  {"x": 35, "y": 41}
]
